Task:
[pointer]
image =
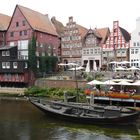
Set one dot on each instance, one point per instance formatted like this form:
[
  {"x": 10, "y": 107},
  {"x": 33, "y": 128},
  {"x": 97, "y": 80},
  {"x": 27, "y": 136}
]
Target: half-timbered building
[{"x": 117, "y": 45}]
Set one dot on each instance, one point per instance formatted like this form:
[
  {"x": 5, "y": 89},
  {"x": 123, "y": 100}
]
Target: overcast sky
[{"x": 88, "y": 13}]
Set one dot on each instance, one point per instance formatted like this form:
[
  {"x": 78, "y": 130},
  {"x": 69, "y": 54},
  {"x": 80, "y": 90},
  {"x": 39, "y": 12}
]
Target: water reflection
[{"x": 19, "y": 120}]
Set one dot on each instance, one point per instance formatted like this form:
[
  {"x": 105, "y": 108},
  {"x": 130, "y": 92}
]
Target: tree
[{"x": 32, "y": 55}]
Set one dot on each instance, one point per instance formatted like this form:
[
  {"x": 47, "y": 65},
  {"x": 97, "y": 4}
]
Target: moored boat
[{"x": 87, "y": 114}]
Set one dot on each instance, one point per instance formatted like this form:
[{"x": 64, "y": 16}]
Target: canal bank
[{"x": 12, "y": 91}]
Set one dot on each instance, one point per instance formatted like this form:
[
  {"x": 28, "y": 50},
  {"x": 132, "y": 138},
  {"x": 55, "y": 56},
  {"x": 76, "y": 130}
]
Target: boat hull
[{"x": 122, "y": 120}]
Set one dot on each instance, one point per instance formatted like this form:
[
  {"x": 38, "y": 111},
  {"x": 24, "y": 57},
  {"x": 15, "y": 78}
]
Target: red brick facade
[{"x": 21, "y": 28}]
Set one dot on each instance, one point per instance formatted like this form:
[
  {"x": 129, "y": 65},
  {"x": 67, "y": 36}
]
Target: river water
[{"x": 20, "y": 120}]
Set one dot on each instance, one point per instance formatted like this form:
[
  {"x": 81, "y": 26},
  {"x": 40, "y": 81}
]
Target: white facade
[
  {"x": 91, "y": 51},
  {"x": 134, "y": 52}
]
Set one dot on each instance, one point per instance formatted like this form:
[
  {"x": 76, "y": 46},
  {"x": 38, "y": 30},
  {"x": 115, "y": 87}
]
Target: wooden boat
[{"x": 87, "y": 114}]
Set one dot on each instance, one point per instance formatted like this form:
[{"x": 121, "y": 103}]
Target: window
[
  {"x": 23, "y": 49},
  {"x": 25, "y": 32},
  {"x": 3, "y": 53},
  {"x": 17, "y": 24},
  {"x": 132, "y": 51},
  {"x": 7, "y": 53},
  {"x": 15, "y": 64},
  {"x": 136, "y": 51},
  {"x": 3, "y": 65},
  {"x": 139, "y": 33},
  {"x": 12, "y": 43},
  {"x": 6, "y": 65},
  {"x": 20, "y": 33},
  {"x": 91, "y": 51},
  {"x": 138, "y": 44},
  {"x": 23, "y": 22},
  {"x": 11, "y": 34},
  {"x": 134, "y": 43}
]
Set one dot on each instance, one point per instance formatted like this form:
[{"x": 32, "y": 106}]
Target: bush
[{"x": 50, "y": 92}]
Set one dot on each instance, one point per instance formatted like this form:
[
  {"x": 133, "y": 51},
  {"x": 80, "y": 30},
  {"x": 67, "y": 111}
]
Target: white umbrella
[
  {"x": 77, "y": 68},
  {"x": 68, "y": 64},
  {"x": 113, "y": 62},
  {"x": 120, "y": 68},
  {"x": 124, "y": 62},
  {"x": 137, "y": 83},
  {"x": 110, "y": 82},
  {"x": 133, "y": 68},
  {"x": 95, "y": 82},
  {"x": 124, "y": 83}
]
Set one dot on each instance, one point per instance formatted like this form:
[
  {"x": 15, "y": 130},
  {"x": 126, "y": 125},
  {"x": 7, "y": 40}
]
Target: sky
[{"x": 88, "y": 13}]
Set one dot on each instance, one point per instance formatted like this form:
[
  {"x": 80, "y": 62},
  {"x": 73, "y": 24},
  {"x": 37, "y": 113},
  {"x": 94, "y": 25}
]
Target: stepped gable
[
  {"x": 4, "y": 22},
  {"x": 58, "y": 25},
  {"x": 125, "y": 34},
  {"x": 38, "y": 21}
]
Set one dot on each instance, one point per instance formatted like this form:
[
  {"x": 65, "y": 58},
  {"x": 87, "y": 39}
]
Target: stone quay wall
[{"x": 60, "y": 83}]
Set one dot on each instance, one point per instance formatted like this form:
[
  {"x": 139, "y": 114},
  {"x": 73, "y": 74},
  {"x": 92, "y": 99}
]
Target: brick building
[
  {"x": 24, "y": 24},
  {"x": 4, "y": 23},
  {"x": 72, "y": 42}
]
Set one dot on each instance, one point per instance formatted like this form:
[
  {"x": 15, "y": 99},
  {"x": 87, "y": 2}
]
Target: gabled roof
[
  {"x": 58, "y": 25},
  {"x": 125, "y": 34},
  {"x": 91, "y": 31},
  {"x": 104, "y": 33},
  {"x": 38, "y": 21},
  {"x": 82, "y": 30},
  {"x": 4, "y": 22}
]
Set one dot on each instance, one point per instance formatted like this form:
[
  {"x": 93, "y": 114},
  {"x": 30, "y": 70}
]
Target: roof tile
[
  {"x": 38, "y": 21},
  {"x": 4, "y": 22}
]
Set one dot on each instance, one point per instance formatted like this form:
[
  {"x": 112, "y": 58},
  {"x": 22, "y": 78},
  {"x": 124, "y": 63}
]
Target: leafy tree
[
  {"x": 32, "y": 55},
  {"x": 43, "y": 64},
  {"x": 48, "y": 63}
]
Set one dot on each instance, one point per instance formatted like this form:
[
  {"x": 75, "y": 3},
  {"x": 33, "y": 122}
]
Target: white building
[
  {"x": 92, "y": 48},
  {"x": 134, "y": 52}
]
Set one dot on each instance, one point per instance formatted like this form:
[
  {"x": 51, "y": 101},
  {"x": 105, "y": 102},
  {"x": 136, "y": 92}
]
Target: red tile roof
[
  {"x": 4, "y": 22},
  {"x": 38, "y": 21},
  {"x": 58, "y": 25},
  {"x": 82, "y": 30},
  {"x": 104, "y": 33}
]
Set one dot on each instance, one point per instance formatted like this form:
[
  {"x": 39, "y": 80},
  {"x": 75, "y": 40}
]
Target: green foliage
[
  {"x": 49, "y": 92},
  {"x": 48, "y": 63},
  {"x": 43, "y": 64},
  {"x": 32, "y": 55},
  {"x": 97, "y": 76}
]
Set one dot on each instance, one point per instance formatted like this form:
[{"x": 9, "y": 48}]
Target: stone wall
[{"x": 59, "y": 83}]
